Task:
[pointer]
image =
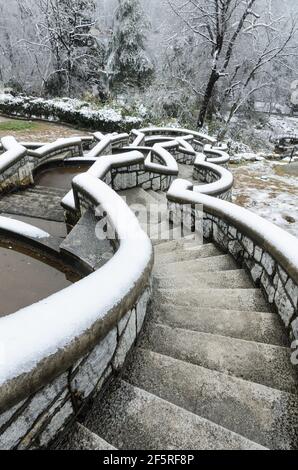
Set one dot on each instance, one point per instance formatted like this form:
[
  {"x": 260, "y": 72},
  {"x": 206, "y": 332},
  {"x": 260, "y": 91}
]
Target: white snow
[
  {"x": 263, "y": 189},
  {"x": 21, "y": 228},
  {"x": 179, "y": 131},
  {"x": 36, "y": 332},
  {"x": 285, "y": 244},
  {"x": 13, "y": 152},
  {"x": 59, "y": 144},
  {"x": 169, "y": 161},
  {"x": 54, "y": 106},
  {"x": 101, "y": 167},
  {"x": 224, "y": 182}
]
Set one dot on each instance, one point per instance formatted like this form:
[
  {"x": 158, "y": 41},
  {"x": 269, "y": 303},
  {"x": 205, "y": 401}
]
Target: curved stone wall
[
  {"x": 269, "y": 253},
  {"x": 47, "y": 378}
]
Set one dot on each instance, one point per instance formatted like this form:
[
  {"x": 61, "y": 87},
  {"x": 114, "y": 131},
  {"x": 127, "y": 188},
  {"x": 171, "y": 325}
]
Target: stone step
[
  {"x": 187, "y": 254},
  {"x": 80, "y": 438},
  {"x": 52, "y": 212},
  {"x": 165, "y": 232},
  {"x": 146, "y": 208},
  {"x": 256, "y": 362},
  {"x": 262, "y": 327},
  {"x": 172, "y": 246},
  {"x": 228, "y": 299},
  {"x": 259, "y": 413},
  {"x": 210, "y": 264},
  {"x": 132, "y": 419},
  {"x": 159, "y": 196},
  {"x": 137, "y": 196},
  {"x": 233, "y": 279},
  {"x": 47, "y": 190},
  {"x": 26, "y": 199}
]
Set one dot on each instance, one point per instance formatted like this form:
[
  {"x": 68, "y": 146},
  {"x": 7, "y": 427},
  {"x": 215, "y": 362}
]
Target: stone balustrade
[
  {"x": 63, "y": 359},
  {"x": 47, "y": 375},
  {"x": 269, "y": 253}
]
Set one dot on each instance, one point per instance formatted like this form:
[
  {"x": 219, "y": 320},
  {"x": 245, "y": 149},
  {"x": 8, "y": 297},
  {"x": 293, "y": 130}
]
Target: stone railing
[
  {"x": 19, "y": 161},
  {"x": 199, "y": 141},
  {"x": 15, "y": 169},
  {"x": 77, "y": 337},
  {"x": 130, "y": 169},
  {"x": 47, "y": 374},
  {"x": 217, "y": 155},
  {"x": 72, "y": 145},
  {"x": 219, "y": 181},
  {"x": 269, "y": 253}
]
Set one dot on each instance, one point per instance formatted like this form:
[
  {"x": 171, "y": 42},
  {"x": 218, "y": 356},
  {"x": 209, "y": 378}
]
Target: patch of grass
[{"x": 17, "y": 126}]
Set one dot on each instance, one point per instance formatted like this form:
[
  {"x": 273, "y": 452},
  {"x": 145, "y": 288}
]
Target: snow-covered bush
[{"x": 70, "y": 111}]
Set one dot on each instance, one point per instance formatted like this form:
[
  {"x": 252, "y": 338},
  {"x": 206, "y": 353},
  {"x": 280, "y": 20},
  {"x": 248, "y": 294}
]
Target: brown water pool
[
  {"x": 25, "y": 280},
  {"x": 58, "y": 177}
]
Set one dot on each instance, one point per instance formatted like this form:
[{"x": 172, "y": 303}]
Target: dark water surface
[
  {"x": 58, "y": 177},
  {"x": 25, "y": 280}
]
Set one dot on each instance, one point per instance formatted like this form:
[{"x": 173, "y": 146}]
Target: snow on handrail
[
  {"x": 100, "y": 168},
  {"x": 59, "y": 145},
  {"x": 54, "y": 341},
  {"x": 170, "y": 165},
  {"x": 178, "y": 131},
  {"x": 99, "y": 148},
  {"x": 16, "y": 227},
  {"x": 221, "y": 157},
  {"x": 224, "y": 178},
  {"x": 279, "y": 243},
  {"x": 13, "y": 152}
]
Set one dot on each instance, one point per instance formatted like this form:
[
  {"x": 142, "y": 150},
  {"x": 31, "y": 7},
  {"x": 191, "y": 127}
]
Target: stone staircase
[
  {"x": 37, "y": 201},
  {"x": 211, "y": 370}
]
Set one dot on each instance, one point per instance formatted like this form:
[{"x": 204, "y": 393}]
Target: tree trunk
[{"x": 207, "y": 96}]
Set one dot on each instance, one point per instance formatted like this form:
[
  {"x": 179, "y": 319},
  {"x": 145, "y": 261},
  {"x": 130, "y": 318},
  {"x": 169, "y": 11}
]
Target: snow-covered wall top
[
  {"x": 13, "y": 153},
  {"x": 53, "y": 342}
]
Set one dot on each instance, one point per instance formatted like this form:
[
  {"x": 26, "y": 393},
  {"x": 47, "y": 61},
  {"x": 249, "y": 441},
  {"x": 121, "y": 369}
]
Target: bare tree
[
  {"x": 241, "y": 40},
  {"x": 66, "y": 34}
]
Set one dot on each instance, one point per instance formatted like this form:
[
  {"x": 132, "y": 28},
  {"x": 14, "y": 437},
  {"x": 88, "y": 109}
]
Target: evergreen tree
[{"x": 128, "y": 60}]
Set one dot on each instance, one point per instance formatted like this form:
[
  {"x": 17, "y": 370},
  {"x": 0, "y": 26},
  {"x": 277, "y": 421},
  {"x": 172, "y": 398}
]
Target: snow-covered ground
[{"x": 270, "y": 189}]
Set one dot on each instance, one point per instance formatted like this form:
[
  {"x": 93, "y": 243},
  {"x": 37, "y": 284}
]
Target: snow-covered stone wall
[
  {"x": 267, "y": 252},
  {"x": 35, "y": 421}
]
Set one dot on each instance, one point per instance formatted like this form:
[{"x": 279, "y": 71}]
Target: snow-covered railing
[
  {"x": 137, "y": 138},
  {"x": 268, "y": 252},
  {"x": 217, "y": 155},
  {"x": 11, "y": 227},
  {"x": 71, "y": 144},
  {"x": 15, "y": 170},
  {"x": 115, "y": 138},
  {"x": 99, "y": 316},
  {"x": 132, "y": 168},
  {"x": 219, "y": 181},
  {"x": 13, "y": 152},
  {"x": 199, "y": 137},
  {"x": 101, "y": 148},
  {"x": 165, "y": 162}
]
